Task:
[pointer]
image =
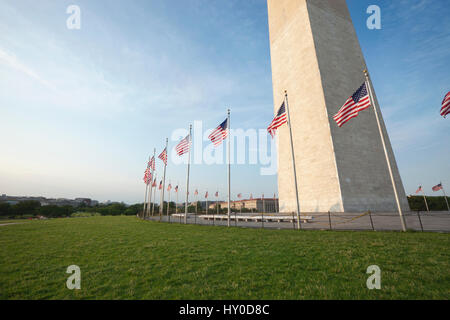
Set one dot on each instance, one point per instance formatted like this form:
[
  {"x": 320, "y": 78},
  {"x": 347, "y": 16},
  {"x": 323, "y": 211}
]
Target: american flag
[
  {"x": 206, "y": 195},
  {"x": 357, "y": 102},
  {"x": 438, "y": 187},
  {"x": 219, "y": 134},
  {"x": 446, "y": 105},
  {"x": 176, "y": 189},
  {"x": 419, "y": 189},
  {"x": 169, "y": 187},
  {"x": 183, "y": 146},
  {"x": 217, "y": 194},
  {"x": 147, "y": 176},
  {"x": 151, "y": 163},
  {"x": 160, "y": 185},
  {"x": 196, "y": 192},
  {"x": 163, "y": 156},
  {"x": 278, "y": 121}
]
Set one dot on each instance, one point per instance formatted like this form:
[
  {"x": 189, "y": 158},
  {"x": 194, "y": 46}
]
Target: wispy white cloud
[{"x": 13, "y": 62}]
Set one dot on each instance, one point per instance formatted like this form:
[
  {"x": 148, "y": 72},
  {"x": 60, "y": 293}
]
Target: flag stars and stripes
[
  {"x": 184, "y": 146},
  {"x": 279, "y": 120},
  {"x": 219, "y": 134},
  {"x": 151, "y": 163},
  {"x": 147, "y": 176},
  {"x": 357, "y": 102},
  {"x": 445, "y": 110},
  {"x": 163, "y": 156}
]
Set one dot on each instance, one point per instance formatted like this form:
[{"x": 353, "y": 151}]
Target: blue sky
[{"x": 81, "y": 110}]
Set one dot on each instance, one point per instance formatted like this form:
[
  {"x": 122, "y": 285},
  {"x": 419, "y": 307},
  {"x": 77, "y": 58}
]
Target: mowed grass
[{"x": 126, "y": 258}]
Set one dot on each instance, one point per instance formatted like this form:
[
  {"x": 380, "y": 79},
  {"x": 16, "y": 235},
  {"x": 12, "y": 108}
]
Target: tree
[
  {"x": 29, "y": 207},
  {"x": 55, "y": 211},
  {"x": 5, "y": 209}
]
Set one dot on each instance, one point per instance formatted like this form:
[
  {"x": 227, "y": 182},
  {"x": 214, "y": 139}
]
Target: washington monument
[{"x": 317, "y": 59}]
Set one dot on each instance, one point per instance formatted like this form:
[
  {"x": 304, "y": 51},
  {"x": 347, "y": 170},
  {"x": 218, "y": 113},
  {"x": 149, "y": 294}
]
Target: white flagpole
[
  {"x": 293, "y": 161},
  {"x": 151, "y": 185},
  {"x": 445, "y": 197},
  {"x": 145, "y": 198},
  {"x": 425, "y": 199},
  {"x": 187, "y": 178},
  {"x": 229, "y": 166},
  {"x": 375, "y": 109},
  {"x": 146, "y": 192},
  {"x": 161, "y": 210},
  {"x": 168, "y": 201},
  {"x": 154, "y": 195},
  {"x": 207, "y": 202},
  {"x": 176, "y": 204}
]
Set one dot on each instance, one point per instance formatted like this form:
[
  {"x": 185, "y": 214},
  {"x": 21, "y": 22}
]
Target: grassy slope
[{"x": 125, "y": 258}]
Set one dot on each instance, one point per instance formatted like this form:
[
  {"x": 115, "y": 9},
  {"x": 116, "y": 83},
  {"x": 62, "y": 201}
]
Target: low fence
[{"x": 418, "y": 221}]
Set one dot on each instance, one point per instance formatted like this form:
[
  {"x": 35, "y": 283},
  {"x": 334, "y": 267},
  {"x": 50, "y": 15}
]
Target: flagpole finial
[
  {"x": 285, "y": 92},
  {"x": 365, "y": 72}
]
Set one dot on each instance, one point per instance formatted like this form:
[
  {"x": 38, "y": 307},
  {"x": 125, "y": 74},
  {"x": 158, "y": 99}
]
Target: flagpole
[
  {"x": 168, "y": 202},
  {"x": 375, "y": 108},
  {"x": 293, "y": 161},
  {"x": 145, "y": 198},
  {"x": 425, "y": 199},
  {"x": 187, "y": 178},
  {"x": 154, "y": 196},
  {"x": 161, "y": 210},
  {"x": 161, "y": 202},
  {"x": 176, "y": 203},
  {"x": 151, "y": 184},
  {"x": 146, "y": 191},
  {"x": 229, "y": 166},
  {"x": 445, "y": 197}
]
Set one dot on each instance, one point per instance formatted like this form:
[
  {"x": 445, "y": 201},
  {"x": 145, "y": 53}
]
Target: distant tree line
[
  {"x": 31, "y": 208},
  {"x": 417, "y": 203}
]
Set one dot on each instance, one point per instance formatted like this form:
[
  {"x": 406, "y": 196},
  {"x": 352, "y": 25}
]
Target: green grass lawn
[
  {"x": 125, "y": 258},
  {"x": 5, "y": 221}
]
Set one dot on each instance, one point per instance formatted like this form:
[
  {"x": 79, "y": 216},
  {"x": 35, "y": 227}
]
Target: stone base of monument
[{"x": 256, "y": 218}]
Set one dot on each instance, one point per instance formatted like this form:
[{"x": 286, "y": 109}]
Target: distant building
[
  {"x": 255, "y": 205},
  {"x": 49, "y": 201}
]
